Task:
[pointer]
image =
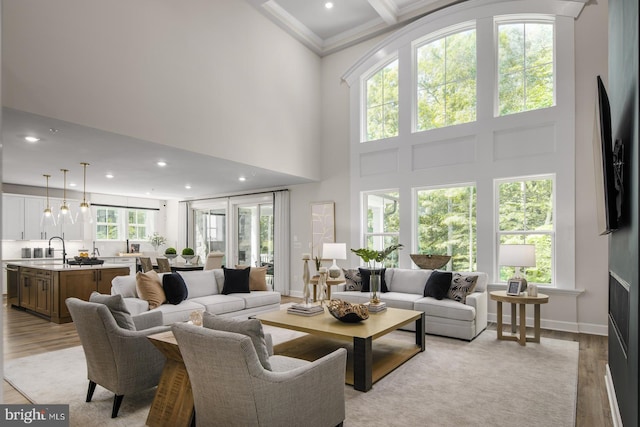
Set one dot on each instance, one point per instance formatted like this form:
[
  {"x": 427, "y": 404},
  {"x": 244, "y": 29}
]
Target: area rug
[{"x": 453, "y": 383}]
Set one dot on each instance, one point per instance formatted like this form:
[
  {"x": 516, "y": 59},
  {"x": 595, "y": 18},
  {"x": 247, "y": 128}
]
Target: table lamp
[
  {"x": 518, "y": 256},
  {"x": 334, "y": 251}
]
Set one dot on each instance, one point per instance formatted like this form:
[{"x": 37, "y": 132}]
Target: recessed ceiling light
[
  {"x": 242, "y": 179},
  {"x": 72, "y": 184},
  {"x": 31, "y": 139},
  {"x": 328, "y": 5},
  {"x": 109, "y": 175},
  {"x": 161, "y": 163},
  {"x": 188, "y": 187}
]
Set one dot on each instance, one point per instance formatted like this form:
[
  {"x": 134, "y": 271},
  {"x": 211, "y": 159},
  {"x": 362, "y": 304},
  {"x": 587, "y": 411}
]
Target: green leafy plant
[
  {"x": 157, "y": 240},
  {"x": 318, "y": 262},
  {"x": 371, "y": 257},
  {"x": 188, "y": 251},
  {"x": 170, "y": 251}
]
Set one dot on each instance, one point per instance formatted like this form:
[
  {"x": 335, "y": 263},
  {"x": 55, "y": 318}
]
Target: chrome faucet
[{"x": 64, "y": 250}]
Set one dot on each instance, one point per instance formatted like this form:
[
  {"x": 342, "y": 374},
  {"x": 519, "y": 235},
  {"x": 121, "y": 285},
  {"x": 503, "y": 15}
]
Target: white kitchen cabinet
[
  {"x": 22, "y": 219},
  {"x": 12, "y": 217}
]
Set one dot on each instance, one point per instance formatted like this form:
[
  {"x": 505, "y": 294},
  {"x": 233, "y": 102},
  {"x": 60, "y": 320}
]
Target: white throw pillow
[
  {"x": 200, "y": 283},
  {"x": 125, "y": 286}
]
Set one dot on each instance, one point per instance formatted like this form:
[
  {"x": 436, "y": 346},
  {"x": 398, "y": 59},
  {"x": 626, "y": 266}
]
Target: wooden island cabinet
[{"x": 44, "y": 288}]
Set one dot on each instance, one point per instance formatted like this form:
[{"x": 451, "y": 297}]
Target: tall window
[
  {"x": 138, "y": 224},
  {"x": 382, "y": 220},
  {"x": 525, "y": 66},
  {"x": 526, "y": 216},
  {"x": 447, "y": 225},
  {"x": 382, "y": 103},
  {"x": 446, "y": 81},
  {"x": 107, "y": 224}
]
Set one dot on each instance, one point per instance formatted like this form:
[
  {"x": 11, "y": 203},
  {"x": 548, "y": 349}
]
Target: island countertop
[{"x": 59, "y": 266}]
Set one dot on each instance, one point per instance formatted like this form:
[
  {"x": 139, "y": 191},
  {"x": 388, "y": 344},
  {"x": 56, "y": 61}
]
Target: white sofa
[
  {"x": 204, "y": 294},
  {"x": 442, "y": 317}
]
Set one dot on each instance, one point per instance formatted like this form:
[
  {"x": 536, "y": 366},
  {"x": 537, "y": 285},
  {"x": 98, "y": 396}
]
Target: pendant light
[
  {"x": 64, "y": 215},
  {"x": 47, "y": 220},
  {"x": 84, "y": 215}
]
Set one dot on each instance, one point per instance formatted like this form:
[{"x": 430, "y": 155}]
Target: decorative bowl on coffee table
[{"x": 346, "y": 312}]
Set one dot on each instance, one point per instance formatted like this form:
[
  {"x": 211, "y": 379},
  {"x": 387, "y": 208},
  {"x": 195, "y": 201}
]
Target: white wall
[{"x": 213, "y": 77}]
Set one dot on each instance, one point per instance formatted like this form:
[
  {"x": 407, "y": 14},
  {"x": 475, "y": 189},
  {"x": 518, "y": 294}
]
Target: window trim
[
  {"x": 553, "y": 233},
  {"x": 364, "y": 217}
]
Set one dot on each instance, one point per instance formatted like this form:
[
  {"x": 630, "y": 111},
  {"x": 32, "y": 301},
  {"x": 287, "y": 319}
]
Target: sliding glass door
[
  {"x": 210, "y": 229},
  {"x": 254, "y": 236}
]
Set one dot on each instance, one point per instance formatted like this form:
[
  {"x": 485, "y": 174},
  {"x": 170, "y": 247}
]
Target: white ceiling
[
  {"x": 349, "y": 21},
  {"x": 133, "y": 161}
]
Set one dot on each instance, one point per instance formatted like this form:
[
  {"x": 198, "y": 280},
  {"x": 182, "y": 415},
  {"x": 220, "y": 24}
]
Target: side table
[
  {"x": 521, "y": 300},
  {"x": 330, "y": 282}
]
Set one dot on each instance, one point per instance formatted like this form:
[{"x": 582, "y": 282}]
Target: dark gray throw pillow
[
  {"x": 236, "y": 281},
  {"x": 117, "y": 307},
  {"x": 174, "y": 288},
  {"x": 365, "y": 274},
  {"x": 438, "y": 284}
]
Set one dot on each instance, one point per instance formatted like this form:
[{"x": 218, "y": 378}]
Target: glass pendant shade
[
  {"x": 47, "y": 220},
  {"x": 84, "y": 215},
  {"x": 64, "y": 214}
]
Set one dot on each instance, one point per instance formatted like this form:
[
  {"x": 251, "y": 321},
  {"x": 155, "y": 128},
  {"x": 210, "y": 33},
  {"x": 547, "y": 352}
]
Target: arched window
[{"x": 382, "y": 103}]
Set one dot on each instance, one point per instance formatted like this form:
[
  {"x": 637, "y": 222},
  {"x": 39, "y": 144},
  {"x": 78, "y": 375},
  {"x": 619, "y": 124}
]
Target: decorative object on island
[
  {"x": 306, "y": 276},
  {"x": 370, "y": 257},
  {"x": 156, "y": 241},
  {"x": 334, "y": 251},
  {"x": 170, "y": 253},
  {"x": 84, "y": 216},
  {"x": 188, "y": 254},
  {"x": 347, "y": 312},
  {"x": 48, "y": 220},
  {"x": 517, "y": 256},
  {"x": 322, "y": 283},
  {"x": 430, "y": 262}
]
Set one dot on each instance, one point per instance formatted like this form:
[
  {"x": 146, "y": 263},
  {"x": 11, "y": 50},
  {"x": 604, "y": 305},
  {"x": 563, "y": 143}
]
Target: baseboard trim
[
  {"x": 593, "y": 329},
  {"x": 613, "y": 400},
  {"x": 556, "y": 325}
]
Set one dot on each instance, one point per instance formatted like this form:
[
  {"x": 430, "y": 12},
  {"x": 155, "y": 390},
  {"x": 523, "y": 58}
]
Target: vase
[
  {"x": 305, "y": 281},
  {"x": 374, "y": 288}
]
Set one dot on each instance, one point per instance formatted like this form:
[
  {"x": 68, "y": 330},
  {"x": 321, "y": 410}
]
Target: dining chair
[
  {"x": 163, "y": 265},
  {"x": 145, "y": 263}
]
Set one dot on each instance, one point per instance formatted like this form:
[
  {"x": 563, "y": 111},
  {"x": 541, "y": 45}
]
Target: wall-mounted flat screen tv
[{"x": 606, "y": 192}]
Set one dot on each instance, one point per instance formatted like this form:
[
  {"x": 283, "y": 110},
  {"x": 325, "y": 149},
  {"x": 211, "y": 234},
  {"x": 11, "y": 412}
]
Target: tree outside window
[
  {"x": 447, "y": 225},
  {"x": 526, "y": 216},
  {"x": 138, "y": 224},
  {"x": 382, "y": 103},
  {"x": 107, "y": 224},
  {"x": 382, "y": 223},
  {"x": 525, "y": 66},
  {"x": 446, "y": 81}
]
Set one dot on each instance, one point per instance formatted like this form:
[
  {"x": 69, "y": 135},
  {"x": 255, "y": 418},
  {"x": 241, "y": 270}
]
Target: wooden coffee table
[
  {"x": 522, "y": 300},
  {"x": 366, "y": 364}
]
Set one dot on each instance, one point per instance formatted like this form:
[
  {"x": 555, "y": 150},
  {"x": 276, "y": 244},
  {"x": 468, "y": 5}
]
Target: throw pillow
[
  {"x": 352, "y": 278},
  {"x": 149, "y": 288},
  {"x": 117, "y": 307},
  {"x": 365, "y": 273},
  {"x": 251, "y": 327},
  {"x": 236, "y": 281},
  {"x": 438, "y": 284},
  {"x": 461, "y": 286},
  {"x": 174, "y": 288},
  {"x": 257, "y": 278}
]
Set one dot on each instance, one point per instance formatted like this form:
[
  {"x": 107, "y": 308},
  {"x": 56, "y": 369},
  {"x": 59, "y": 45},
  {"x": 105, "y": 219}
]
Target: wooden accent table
[
  {"x": 365, "y": 364},
  {"x": 173, "y": 402},
  {"x": 330, "y": 282},
  {"x": 522, "y": 301}
]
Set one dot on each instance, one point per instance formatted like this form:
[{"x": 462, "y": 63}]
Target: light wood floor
[{"x": 26, "y": 334}]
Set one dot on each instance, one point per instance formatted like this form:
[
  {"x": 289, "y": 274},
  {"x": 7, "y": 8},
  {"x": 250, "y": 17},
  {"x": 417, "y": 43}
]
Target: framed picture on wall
[{"x": 323, "y": 229}]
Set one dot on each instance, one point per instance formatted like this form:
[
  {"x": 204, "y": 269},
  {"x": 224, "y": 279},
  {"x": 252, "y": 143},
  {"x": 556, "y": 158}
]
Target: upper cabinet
[{"x": 22, "y": 219}]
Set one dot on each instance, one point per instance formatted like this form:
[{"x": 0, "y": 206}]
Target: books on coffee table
[
  {"x": 305, "y": 310},
  {"x": 375, "y": 308}
]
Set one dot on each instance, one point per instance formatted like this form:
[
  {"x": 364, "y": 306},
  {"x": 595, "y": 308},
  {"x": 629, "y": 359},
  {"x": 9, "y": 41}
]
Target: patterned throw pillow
[
  {"x": 353, "y": 280},
  {"x": 461, "y": 286}
]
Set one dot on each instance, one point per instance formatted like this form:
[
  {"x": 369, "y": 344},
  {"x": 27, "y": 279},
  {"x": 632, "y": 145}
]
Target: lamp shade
[
  {"x": 334, "y": 250},
  {"x": 517, "y": 255}
]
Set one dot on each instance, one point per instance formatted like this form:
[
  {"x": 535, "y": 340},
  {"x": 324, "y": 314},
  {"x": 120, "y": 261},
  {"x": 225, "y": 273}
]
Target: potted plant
[
  {"x": 170, "y": 253},
  {"x": 371, "y": 257},
  {"x": 187, "y": 254},
  {"x": 156, "y": 241}
]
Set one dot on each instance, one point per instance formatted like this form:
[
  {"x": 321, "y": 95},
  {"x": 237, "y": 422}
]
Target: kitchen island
[{"x": 43, "y": 286}]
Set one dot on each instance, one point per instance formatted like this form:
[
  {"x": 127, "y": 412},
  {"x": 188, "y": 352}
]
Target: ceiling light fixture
[
  {"x": 328, "y": 5},
  {"x": 242, "y": 179},
  {"x": 188, "y": 187},
  {"x": 64, "y": 215},
  {"x": 110, "y": 176},
  {"x": 31, "y": 139},
  {"x": 85, "y": 212},
  {"x": 161, "y": 164},
  {"x": 47, "y": 220}
]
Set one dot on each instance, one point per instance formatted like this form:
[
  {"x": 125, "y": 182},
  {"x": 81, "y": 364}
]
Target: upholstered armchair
[
  {"x": 121, "y": 360},
  {"x": 232, "y": 388}
]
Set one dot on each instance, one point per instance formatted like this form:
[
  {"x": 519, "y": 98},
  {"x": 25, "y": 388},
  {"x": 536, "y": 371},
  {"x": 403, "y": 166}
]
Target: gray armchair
[
  {"x": 120, "y": 360},
  {"x": 231, "y": 387}
]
